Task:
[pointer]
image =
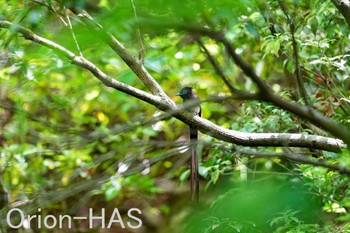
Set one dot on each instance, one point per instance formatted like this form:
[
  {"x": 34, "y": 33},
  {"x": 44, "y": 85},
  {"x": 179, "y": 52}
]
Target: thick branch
[
  {"x": 344, "y": 8},
  {"x": 205, "y": 126},
  {"x": 266, "y": 93}
]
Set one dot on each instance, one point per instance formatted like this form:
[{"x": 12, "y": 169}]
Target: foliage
[{"x": 63, "y": 131}]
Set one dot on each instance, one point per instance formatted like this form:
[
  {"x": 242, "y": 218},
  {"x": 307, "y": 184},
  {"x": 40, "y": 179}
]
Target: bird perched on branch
[{"x": 187, "y": 94}]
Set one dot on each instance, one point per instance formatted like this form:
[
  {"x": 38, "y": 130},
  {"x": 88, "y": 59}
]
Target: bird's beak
[{"x": 178, "y": 94}]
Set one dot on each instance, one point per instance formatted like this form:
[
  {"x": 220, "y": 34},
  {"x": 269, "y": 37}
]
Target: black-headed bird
[{"x": 187, "y": 94}]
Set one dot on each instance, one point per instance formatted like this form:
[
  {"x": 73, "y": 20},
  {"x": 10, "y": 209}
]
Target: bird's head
[{"x": 186, "y": 93}]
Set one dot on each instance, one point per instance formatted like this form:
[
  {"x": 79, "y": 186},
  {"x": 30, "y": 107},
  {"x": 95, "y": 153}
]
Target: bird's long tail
[{"x": 194, "y": 165}]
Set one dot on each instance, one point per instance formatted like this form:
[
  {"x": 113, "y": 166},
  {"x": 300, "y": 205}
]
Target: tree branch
[
  {"x": 344, "y": 7},
  {"x": 297, "y": 158},
  {"x": 298, "y": 75},
  {"x": 266, "y": 93},
  {"x": 205, "y": 126},
  {"x": 135, "y": 65},
  {"x": 142, "y": 52},
  {"x": 217, "y": 67}
]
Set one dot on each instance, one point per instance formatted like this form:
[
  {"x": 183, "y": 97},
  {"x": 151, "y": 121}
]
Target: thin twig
[
  {"x": 142, "y": 52},
  {"x": 73, "y": 34},
  {"x": 217, "y": 68},
  {"x": 51, "y": 8},
  {"x": 297, "y": 158},
  {"x": 127, "y": 57},
  {"x": 296, "y": 57}
]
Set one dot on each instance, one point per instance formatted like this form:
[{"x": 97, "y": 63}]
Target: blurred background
[{"x": 68, "y": 143}]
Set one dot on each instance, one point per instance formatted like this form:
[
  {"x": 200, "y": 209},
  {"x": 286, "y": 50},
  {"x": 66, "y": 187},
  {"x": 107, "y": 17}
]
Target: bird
[{"x": 187, "y": 94}]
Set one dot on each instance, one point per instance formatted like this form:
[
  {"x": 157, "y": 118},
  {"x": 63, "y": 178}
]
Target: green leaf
[
  {"x": 314, "y": 25},
  {"x": 273, "y": 47},
  {"x": 111, "y": 193},
  {"x": 215, "y": 176},
  {"x": 185, "y": 175}
]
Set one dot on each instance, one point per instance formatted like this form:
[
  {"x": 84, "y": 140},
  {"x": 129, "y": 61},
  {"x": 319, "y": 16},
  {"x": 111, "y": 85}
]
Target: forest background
[{"x": 89, "y": 115}]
